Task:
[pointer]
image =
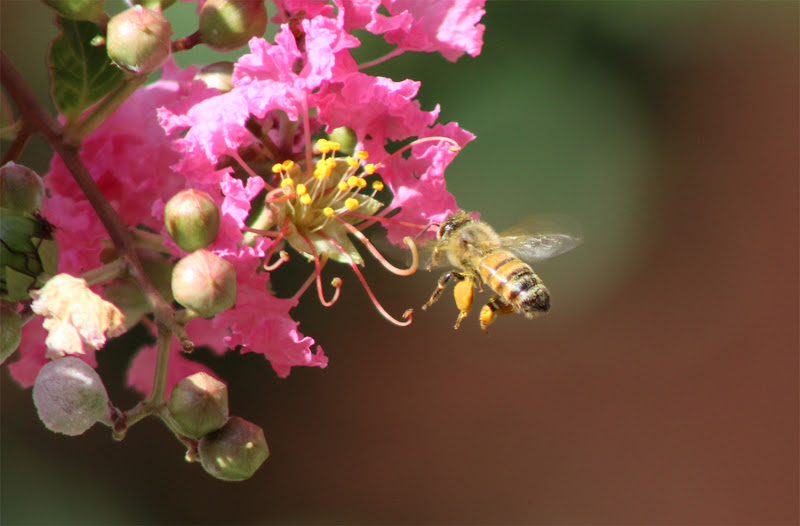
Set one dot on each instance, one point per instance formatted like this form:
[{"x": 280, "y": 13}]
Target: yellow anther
[
  {"x": 352, "y": 181},
  {"x": 342, "y": 186},
  {"x": 287, "y": 182},
  {"x": 377, "y": 185},
  {"x": 361, "y": 182},
  {"x": 330, "y": 162},
  {"x": 300, "y": 189},
  {"x": 352, "y": 162},
  {"x": 351, "y": 203},
  {"x": 328, "y": 211},
  {"x": 369, "y": 169},
  {"x": 324, "y": 145},
  {"x": 276, "y": 168},
  {"x": 361, "y": 154},
  {"x": 335, "y": 146},
  {"x": 305, "y": 199},
  {"x": 287, "y": 165}
]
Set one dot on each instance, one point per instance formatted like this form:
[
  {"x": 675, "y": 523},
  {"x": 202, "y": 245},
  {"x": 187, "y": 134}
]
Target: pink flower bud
[
  {"x": 10, "y": 331},
  {"x": 204, "y": 283},
  {"x": 21, "y": 189},
  {"x": 234, "y": 452},
  {"x": 192, "y": 219},
  {"x": 138, "y": 40},
  {"x": 69, "y": 396},
  {"x": 199, "y": 405},
  {"x": 226, "y": 25}
]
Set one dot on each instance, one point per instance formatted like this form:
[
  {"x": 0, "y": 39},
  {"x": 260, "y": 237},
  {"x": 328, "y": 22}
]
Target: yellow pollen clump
[
  {"x": 287, "y": 165},
  {"x": 369, "y": 169},
  {"x": 301, "y": 189},
  {"x": 352, "y": 162},
  {"x": 352, "y": 181},
  {"x": 361, "y": 183},
  {"x": 377, "y": 185},
  {"x": 287, "y": 182},
  {"x": 305, "y": 199},
  {"x": 361, "y": 154},
  {"x": 335, "y": 146},
  {"x": 351, "y": 203},
  {"x": 328, "y": 211},
  {"x": 277, "y": 168},
  {"x": 324, "y": 145},
  {"x": 342, "y": 186}
]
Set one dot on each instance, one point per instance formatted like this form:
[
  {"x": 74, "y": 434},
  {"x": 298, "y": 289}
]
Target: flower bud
[
  {"x": 192, "y": 219},
  {"x": 204, "y": 283},
  {"x": 234, "y": 452},
  {"x": 226, "y": 25},
  {"x": 199, "y": 405},
  {"x": 91, "y": 10},
  {"x": 346, "y": 137},
  {"x": 138, "y": 40},
  {"x": 69, "y": 396},
  {"x": 154, "y": 4},
  {"x": 21, "y": 189},
  {"x": 10, "y": 331},
  {"x": 217, "y": 75}
]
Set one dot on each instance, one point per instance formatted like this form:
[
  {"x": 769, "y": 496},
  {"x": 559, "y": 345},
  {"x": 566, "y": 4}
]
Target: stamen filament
[
  {"x": 455, "y": 148},
  {"x": 283, "y": 257},
  {"x": 374, "y": 251},
  {"x": 407, "y": 315},
  {"x": 249, "y": 170},
  {"x": 318, "y": 274}
]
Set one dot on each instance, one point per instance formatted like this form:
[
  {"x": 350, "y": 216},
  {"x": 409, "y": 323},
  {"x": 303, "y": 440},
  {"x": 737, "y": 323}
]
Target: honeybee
[{"x": 482, "y": 256}]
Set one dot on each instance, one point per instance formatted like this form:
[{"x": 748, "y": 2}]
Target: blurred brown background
[{"x": 662, "y": 389}]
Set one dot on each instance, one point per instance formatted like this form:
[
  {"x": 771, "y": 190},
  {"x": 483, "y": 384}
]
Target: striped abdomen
[{"x": 515, "y": 282}]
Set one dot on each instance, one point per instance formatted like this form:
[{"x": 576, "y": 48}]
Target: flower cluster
[{"x": 294, "y": 154}]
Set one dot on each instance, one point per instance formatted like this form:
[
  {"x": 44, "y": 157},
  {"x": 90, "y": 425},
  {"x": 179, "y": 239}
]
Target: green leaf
[{"x": 81, "y": 74}]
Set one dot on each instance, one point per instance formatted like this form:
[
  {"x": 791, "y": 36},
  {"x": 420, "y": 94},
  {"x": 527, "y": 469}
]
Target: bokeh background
[{"x": 663, "y": 387}]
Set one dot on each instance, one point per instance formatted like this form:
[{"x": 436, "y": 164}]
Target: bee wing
[{"x": 542, "y": 236}]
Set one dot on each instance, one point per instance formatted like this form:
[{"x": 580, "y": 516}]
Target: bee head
[{"x": 453, "y": 222}]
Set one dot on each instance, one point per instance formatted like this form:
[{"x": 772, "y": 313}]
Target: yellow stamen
[
  {"x": 351, "y": 203},
  {"x": 342, "y": 186},
  {"x": 369, "y": 169},
  {"x": 287, "y": 182},
  {"x": 287, "y": 165},
  {"x": 335, "y": 146},
  {"x": 305, "y": 199},
  {"x": 301, "y": 189},
  {"x": 324, "y": 145},
  {"x": 377, "y": 185},
  {"x": 361, "y": 154},
  {"x": 361, "y": 183},
  {"x": 352, "y": 181},
  {"x": 352, "y": 162},
  {"x": 276, "y": 168},
  {"x": 328, "y": 211}
]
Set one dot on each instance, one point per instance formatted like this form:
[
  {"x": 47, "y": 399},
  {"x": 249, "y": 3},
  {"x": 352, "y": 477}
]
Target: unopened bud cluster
[{"x": 229, "y": 448}]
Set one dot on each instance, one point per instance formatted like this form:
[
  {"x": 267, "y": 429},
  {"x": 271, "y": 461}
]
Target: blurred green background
[{"x": 662, "y": 388}]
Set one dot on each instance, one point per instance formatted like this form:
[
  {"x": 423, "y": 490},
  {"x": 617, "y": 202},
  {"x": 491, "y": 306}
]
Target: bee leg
[
  {"x": 437, "y": 254},
  {"x": 463, "y": 293},
  {"x": 440, "y": 285},
  {"x": 496, "y": 307}
]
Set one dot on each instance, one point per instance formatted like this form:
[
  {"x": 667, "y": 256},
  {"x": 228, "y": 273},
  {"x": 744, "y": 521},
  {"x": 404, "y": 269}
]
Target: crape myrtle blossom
[{"x": 259, "y": 152}]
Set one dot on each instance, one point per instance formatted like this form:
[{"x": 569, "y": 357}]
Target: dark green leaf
[{"x": 81, "y": 74}]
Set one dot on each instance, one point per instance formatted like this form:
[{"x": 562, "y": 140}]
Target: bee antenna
[{"x": 431, "y": 224}]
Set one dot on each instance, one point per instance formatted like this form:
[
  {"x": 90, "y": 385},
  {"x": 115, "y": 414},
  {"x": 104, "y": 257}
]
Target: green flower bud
[
  {"x": 10, "y": 331},
  {"x": 234, "y": 452},
  {"x": 69, "y": 396},
  {"x": 21, "y": 189},
  {"x": 217, "y": 75},
  {"x": 154, "y": 4},
  {"x": 91, "y": 10},
  {"x": 204, "y": 283},
  {"x": 346, "y": 137},
  {"x": 192, "y": 219},
  {"x": 198, "y": 405},
  {"x": 226, "y": 25},
  {"x": 138, "y": 39}
]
